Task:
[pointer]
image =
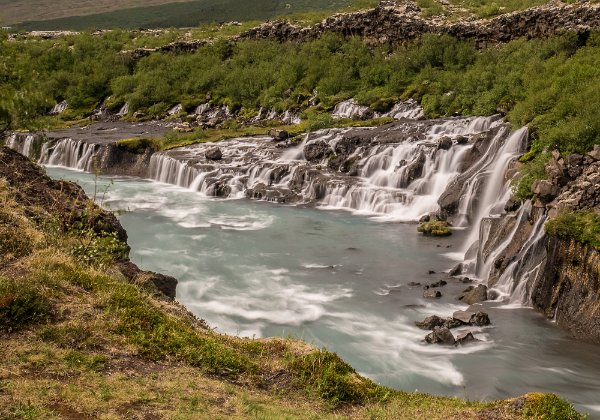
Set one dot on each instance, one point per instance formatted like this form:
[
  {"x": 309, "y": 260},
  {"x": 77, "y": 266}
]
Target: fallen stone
[
  {"x": 440, "y": 335},
  {"x": 444, "y": 143},
  {"x": 440, "y": 283},
  {"x": 278, "y": 135},
  {"x": 466, "y": 280},
  {"x": 478, "y": 319}
]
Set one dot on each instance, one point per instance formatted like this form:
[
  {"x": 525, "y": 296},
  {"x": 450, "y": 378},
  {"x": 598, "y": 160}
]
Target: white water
[
  {"x": 59, "y": 108},
  {"x": 349, "y": 109},
  {"x": 24, "y": 147}
]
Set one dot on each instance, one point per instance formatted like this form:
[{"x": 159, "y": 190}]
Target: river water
[{"x": 339, "y": 281}]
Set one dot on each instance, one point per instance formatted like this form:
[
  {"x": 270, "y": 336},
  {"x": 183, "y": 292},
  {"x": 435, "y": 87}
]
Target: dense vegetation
[{"x": 552, "y": 84}]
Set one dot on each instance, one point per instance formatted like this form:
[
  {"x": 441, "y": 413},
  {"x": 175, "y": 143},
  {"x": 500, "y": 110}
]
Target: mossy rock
[
  {"x": 435, "y": 228},
  {"x": 139, "y": 145}
]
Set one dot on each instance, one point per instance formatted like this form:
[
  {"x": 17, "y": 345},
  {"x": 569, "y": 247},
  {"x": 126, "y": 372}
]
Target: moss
[
  {"x": 435, "y": 228},
  {"x": 549, "y": 407},
  {"x": 583, "y": 226},
  {"x": 139, "y": 145}
]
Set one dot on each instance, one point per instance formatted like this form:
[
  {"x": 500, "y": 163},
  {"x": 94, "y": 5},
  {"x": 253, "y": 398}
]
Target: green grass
[
  {"x": 550, "y": 407},
  {"x": 22, "y": 304},
  {"x": 583, "y": 226}
]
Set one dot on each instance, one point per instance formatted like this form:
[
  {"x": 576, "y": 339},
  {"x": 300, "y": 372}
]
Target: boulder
[
  {"x": 478, "y": 319},
  {"x": 440, "y": 283},
  {"x": 444, "y": 143},
  {"x": 214, "y": 153},
  {"x": 430, "y": 322},
  {"x": 452, "y": 323},
  {"x": 595, "y": 153},
  {"x": 473, "y": 295},
  {"x": 440, "y": 335},
  {"x": 278, "y": 135},
  {"x": 317, "y": 151},
  {"x": 437, "y": 228},
  {"x": 456, "y": 270},
  {"x": 545, "y": 190}
]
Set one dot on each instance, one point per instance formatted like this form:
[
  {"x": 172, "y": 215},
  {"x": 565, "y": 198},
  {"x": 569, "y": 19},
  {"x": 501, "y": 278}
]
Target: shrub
[
  {"x": 435, "y": 228},
  {"x": 550, "y": 407},
  {"x": 583, "y": 225}
]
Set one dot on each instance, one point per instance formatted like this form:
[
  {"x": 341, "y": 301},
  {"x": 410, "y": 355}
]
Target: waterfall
[
  {"x": 59, "y": 108},
  {"x": 349, "y": 109},
  {"x": 410, "y": 110},
  {"x": 76, "y": 154},
  {"x": 25, "y": 147}
]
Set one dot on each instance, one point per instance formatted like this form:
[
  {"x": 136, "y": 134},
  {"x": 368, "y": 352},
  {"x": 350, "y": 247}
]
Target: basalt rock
[
  {"x": 430, "y": 322},
  {"x": 432, "y": 294},
  {"x": 474, "y": 294},
  {"x": 317, "y": 151},
  {"x": 568, "y": 289},
  {"x": 440, "y": 335},
  {"x": 478, "y": 319},
  {"x": 465, "y": 338},
  {"x": 213, "y": 153}
]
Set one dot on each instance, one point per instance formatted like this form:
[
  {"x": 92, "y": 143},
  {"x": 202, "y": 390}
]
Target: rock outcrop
[
  {"x": 568, "y": 289},
  {"x": 392, "y": 22}
]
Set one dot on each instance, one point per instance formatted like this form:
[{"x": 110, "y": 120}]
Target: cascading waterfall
[
  {"x": 24, "y": 147},
  {"x": 76, "y": 154},
  {"x": 399, "y": 174}
]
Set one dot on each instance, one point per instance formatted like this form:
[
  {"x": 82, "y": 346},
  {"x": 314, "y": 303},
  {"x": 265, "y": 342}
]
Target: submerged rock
[{"x": 278, "y": 135}]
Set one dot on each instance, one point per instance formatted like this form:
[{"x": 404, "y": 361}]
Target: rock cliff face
[
  {"x": 398, "y": 22},
  {"x": 568, "y": 289}
]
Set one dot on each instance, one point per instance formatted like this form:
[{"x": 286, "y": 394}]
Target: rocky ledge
[{"x": 401, "y": 21}]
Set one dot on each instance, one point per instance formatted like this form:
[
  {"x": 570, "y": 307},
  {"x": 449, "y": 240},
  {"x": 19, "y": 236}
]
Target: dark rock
[
  {"x": 595, "y": 153},
  {"x": 425, "y": 218},
  {"x": 440, "y": 335},
  {"x": 452, "y": 323},
  {"x": 462, "y": 140},
  {"x": 465, "y": 338},
  {"x": 480, "y": 319},
  {"x": 545, "y": 190},
  {"x": 432, "y": 294},
  {"x": 414, "y": 284},
  {"x": 413, "y": 170},
  {"x": 444, "y": 143},
  {"x": 278, "y": 135},
  {"x": 317, "y": 151},
  {"x": 474, "y": 294},
  {"x": 466, "y": 280},
  {"x": 430, "y": 322},
  {"x": 440, "y": 283},
  {"x": 457, "y": 270},
  {"x": 214, "y": 153},
  {"x": 431, "y": 272}
]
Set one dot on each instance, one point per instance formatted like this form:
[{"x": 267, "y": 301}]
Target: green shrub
[
  {"x": 584, "y": 226},
  {"x": 334, "y": 380},
  {"x": 21, "y": 305},
  {"x": 550, "y": 407}
]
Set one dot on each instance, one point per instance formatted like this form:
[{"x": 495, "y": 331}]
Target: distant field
[
  {"x": 181, "y": 14},
  {"x": 17, "y": 11}
]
